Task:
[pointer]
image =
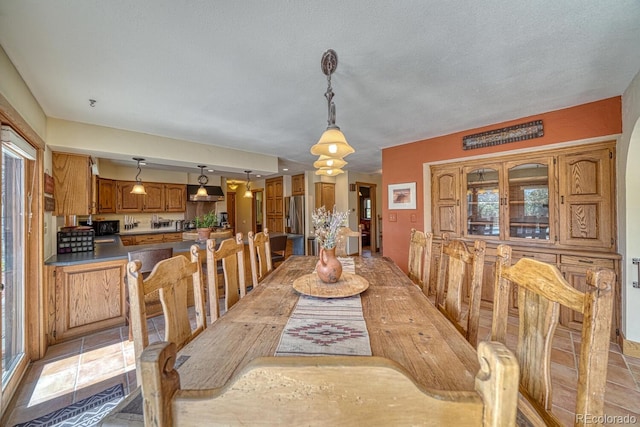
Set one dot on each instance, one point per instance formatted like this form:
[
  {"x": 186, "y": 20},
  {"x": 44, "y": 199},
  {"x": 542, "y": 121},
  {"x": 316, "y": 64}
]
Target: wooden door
[
  {"x": 127, "y": 202},
  {"x": 106, "y": 195},
  {"x": 154, "y": 199},
  {"x": 586, "y": 201},
  {"x": 175, "y": 197},
  {"x": 231, "y": 210},
  {"x": 445, "y": 199}
]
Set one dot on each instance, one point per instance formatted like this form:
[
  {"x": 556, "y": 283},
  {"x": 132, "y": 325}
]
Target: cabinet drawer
[
  {"x": 149, "y": 238},
  {"x": 538, "y": 256},
  {"x": 128, "y": 240},
  {"x": 586, "y": 261},
  {"x": 173, "y": 237}
]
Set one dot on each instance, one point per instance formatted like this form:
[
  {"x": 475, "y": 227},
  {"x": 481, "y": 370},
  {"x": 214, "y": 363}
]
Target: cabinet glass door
[
  {"x": 483, "y": 202},
  {"x": 528, "y": 201}
]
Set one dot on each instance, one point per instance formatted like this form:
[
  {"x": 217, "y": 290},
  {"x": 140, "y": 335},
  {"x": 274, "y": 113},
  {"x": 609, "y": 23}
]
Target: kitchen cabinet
[
  {"x": 445, "y": 201},
  {"x": 586, "y": 181},
  {"x": 127, "y": 202},
  {"x": 160, "y": 197},
  {"x": 297, "y": 185},
  {"x": 556, "y": 206},
  {"x": 149, "y": 238},
  {"x": 175, "y": 196},
  {"x": 73, "y": 184},
  {"x": 275, "y": 204},
  {"x": 85, "y": 298},
  {"x": 325, "y": 195},
  {"x": 106, "y": 195},
  {"x": 153, "y": 201}
]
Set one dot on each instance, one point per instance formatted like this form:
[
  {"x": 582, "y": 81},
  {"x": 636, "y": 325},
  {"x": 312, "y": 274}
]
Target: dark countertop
[{"x": 115, "y": 251}]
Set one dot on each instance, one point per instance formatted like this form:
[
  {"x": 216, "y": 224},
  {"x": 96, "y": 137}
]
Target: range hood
[{"x": 214, "y": 191}]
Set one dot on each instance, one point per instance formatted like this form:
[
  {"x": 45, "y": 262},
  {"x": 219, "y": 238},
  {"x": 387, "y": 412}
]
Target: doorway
[
  {"x": 257, "y": 210},
  {"x": 367, "y": 214}
]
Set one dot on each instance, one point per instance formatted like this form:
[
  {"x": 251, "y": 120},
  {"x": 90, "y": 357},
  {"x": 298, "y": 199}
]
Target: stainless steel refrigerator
[{"x": 294, "y": 214}]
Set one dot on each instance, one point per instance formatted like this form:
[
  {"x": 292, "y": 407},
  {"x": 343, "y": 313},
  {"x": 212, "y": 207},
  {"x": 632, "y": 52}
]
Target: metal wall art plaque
[{"x": 514, "y": 133}]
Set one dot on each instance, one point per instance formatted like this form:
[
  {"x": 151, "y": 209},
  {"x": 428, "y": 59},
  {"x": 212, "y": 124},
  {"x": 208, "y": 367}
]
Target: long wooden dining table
[{"x": 403, "y": 325}]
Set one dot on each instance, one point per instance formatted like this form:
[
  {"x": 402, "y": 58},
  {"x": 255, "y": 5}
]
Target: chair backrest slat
[
  {"x": 259, "y": 255},
  {"x": 419, "y": 267},
  {"x": 231, "y": 253}
]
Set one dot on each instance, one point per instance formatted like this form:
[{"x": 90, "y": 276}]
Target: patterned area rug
[{"x": 86, "y": 412}]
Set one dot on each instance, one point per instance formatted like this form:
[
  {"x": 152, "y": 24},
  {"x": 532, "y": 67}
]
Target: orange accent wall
[{"x": 404, "y": 163}]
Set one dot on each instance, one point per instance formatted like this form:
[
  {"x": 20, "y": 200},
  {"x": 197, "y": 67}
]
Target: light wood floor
[{"x": 76, "y": 369}]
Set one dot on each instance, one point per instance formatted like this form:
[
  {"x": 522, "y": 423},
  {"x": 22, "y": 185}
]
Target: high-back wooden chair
[
  {"x": 304, "y": 391},
  {"x": 149, "y": 258},
  {"x": 541, "y": 291},
  {"x": 343, "y": 237},
  {"x": 259, "y": 255},
  {"x": 171, "y": 279},
  {"x": 419, "y": 268},
  {"x": 231, "y": 253},
  {"x": 278, "y": 248},
  {"x": 459, "y": 266}
]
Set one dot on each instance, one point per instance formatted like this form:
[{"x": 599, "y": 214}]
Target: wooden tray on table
[{"x": 349, "y": 284}]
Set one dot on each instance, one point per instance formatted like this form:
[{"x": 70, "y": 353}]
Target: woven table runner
[{"x": 320, "y": 326}]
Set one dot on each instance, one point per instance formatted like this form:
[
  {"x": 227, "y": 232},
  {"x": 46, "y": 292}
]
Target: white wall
[{"x": 628, "y": 154}]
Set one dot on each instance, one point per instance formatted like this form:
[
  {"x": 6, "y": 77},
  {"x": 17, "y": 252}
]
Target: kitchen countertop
[{"x": 116, "y": 251}]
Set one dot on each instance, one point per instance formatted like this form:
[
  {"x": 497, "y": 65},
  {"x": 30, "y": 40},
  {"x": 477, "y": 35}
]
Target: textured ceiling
[{"x": 246, "y": 74}]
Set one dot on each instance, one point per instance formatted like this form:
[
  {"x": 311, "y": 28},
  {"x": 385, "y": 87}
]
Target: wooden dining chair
[
  {"x": 170, "y": 278},
  {"x": 278, "y": 248},
  {"x": 343, "y": 237},
  {"x": 149, "y": 258},
  {"x": 419, "y": 268},
  {"x": 329, "y": 390},
  {"x": 231, "y": 253},
  {"x": 542, "y": 291},
  {"x": 460, "y": 266},
  {"x": 259, "y": 255}
]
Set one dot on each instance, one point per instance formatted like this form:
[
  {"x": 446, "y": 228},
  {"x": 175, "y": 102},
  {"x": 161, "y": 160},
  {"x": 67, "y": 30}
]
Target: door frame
[
  {"x": 373, "y": 189},
  {"x": 254, "y": 211}
]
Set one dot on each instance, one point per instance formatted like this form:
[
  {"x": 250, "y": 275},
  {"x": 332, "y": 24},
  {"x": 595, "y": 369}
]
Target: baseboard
[{"x": 630, "y": 348}]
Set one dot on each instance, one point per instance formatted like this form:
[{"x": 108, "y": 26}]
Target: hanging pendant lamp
[
  {"x": 332, "y": 143},
  {"x": 138, "y": 188},
  {"x": 248, "y": 194},
  {"x": 202, "y": 180}
]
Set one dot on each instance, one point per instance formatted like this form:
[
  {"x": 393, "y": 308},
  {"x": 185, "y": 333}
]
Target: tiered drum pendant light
[
  {"x": 138, "y": 188},
  {"x": 332, "y": 146}
]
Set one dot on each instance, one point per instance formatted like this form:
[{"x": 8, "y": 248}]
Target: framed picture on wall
[{"x": 402, "y": 196}]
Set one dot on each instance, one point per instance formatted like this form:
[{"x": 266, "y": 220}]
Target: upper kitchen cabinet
[
  {"x": 325, "y": 195},
  {"x": 159, "y": 198},
  {"x": 297, "y": 185},
  {"x": 275, "y": 204},
  {"x": 73, "y": 184},
  {"x": 175, "y": 196},
  {"x": 106, "y": 195},
  {"x": 127, "y": 202},
  {"x": 586, "y": 182},
  {"x": 153, "y": 201}
]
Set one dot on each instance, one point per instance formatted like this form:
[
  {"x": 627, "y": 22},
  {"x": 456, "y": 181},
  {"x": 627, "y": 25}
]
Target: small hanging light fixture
[
  {"x": 138, "y": 188},
  {"x": 332, "y": 143},
  {"x": 248, "y": 194},
  {"x": 202, "y": 180}
]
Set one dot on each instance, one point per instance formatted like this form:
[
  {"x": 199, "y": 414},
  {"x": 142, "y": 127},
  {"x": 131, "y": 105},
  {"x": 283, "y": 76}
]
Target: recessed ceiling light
[
  {"x": 285, "y": 169},
  {"x": 258, "y": 176},
  {"x": 209, "y": 170}
]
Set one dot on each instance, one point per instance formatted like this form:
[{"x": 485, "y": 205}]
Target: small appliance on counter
[
  {"x": 75, "y": 239},
  {"x": 103, "y": 227}
]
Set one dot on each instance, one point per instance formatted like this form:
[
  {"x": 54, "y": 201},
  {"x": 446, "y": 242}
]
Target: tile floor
[{"x": 76, "y": 369}]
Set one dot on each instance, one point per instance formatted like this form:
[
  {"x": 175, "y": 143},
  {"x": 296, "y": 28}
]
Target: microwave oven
[{"x": 104, "y": 228}]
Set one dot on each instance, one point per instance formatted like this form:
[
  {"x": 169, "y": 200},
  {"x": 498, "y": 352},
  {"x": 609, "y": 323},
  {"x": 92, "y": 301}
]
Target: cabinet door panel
[
  {"x": 72, "y": 184},
  {"x": 175, "y": 197},
  {"x": 154, "y": 199},
  {"x": 445, "y": 196},
  {"x": 106, "y": 196},
  {"x": 127, "y": 202},
  {"x": 585, "y": 198},
  {"x": 484, "y": 201}
]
